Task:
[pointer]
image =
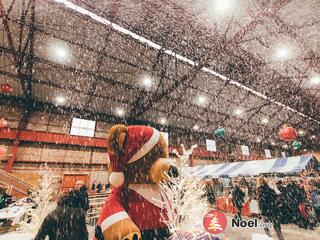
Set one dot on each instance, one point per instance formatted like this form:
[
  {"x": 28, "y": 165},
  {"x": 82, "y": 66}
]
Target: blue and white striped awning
[{"x": 281, "y": 165}]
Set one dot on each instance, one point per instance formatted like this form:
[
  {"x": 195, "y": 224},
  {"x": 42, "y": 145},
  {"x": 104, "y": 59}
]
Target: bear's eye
[{"x": 161, "y": 150}]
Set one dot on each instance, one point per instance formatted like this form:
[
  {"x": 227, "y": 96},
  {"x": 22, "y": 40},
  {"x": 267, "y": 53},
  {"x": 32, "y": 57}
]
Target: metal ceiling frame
[
  {"x": 94, "y": 49},
  {"x": 156, "y": 46},
  {"x": 78, "y": 70}
]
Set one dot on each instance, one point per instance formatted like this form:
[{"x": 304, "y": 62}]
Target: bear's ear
[{"x": 116, "y": 137}]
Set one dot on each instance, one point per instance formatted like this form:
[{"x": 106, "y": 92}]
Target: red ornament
[
  {"x": 3, "y": 151},
  {"x": 6, "y": 88},
  {"x": 3, "y": 123},
  {"x": 287, "y": 133}
]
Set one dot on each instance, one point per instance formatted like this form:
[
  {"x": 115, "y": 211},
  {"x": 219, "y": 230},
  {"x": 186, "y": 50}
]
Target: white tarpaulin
[{"x": 281, "y": 165}]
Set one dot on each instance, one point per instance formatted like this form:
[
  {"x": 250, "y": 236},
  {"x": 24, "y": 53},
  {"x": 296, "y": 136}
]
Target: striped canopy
[{"x": 281, "y": 165}]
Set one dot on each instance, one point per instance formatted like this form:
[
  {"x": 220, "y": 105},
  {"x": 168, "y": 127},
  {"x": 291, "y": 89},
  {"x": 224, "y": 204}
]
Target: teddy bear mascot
[{"x": 139, "y": 162}]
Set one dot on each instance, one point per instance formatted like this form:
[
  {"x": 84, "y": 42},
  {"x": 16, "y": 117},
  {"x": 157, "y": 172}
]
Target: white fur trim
[
  {"x": 146, "y": 147},
  {"x": 151, "y": 192},
  {"x": 116, "y": 179},
  {"x": 113, "y": 219}
]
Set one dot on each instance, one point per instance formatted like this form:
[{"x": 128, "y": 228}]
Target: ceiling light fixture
[
  {"x": 283, "y": 53},
  {"x": 314, "y": 80},
  {"x": 222, "y": 6},
  {"x": 120, "y": 112},
  {"x": 238, "y": 111},
  {"x": 60, "y": 99},
  {"x": 264, "y": 120},
  {"x": 146, "y": 81},
  {"x": 202, "y": 100},
  {"x": 195, "y": 127},
  {"x": 59, "y": 52},
  {"x": 162, "y": 120}
]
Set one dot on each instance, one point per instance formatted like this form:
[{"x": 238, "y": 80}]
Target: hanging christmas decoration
[
  {"x": 296, "y": 145},
  {"x": 287, "y": 133},
  {"x": 219, "y": 132},
  {"x": 6, "y": 88},
  {"x": 3, "y": 123},
  {"x": 3, "y": 151}
]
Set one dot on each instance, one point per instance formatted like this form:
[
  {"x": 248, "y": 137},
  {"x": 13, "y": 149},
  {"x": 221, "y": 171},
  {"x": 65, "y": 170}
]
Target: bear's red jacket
[{"x": 136, "y": 202}]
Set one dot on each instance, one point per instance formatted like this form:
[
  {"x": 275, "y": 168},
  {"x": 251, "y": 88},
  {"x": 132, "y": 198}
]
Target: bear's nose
[{"x": 173, "y": 172}]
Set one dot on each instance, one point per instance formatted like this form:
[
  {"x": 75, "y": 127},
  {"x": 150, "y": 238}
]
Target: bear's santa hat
[{"x": 138, "y": 142}]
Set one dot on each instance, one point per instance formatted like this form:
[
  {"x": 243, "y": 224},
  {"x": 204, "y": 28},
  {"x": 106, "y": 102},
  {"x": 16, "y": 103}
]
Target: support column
[
  {"x": 12, "y": 156},
  {"x": 15, "y": 144}
]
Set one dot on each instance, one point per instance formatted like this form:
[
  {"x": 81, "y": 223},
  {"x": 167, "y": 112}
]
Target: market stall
[{"x": 286, "y": 166}]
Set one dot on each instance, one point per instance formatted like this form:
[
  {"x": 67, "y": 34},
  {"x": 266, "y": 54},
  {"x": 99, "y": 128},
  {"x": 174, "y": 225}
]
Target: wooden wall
[{"x": 30, "y": 155}]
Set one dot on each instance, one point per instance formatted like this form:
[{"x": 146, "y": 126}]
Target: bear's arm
[{"x": 114, "y": 221}]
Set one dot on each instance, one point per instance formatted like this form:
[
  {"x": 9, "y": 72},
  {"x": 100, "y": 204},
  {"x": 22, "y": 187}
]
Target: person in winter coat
[
  {"x": 267, "y": 200},
  {"x": 83, "y": 194},
  {"x": 252, "y": 188},
  {"x": 238, "y": 199},
  {"x": 5, "y": 199},
  {"x": 220, "y": 186},
  {"x": 93, "y": 186},
  {"x": 294, "y": 198},
  {"x": 315, "y": 199},
  {"x": 210, "y": 192},
  {"x": 281, "y": 187},
  {"x": 2, "y": 200},
  {"x": 80, "y": 196},
  {"x": 302, "y": 201},
  {"x": 99, "y": 187},
  {"x": 302, "y": 197},
  {"x": 284, "y": 210},
  {"x": 64, "y": 222},
  {"x": 108, "y": 185}
]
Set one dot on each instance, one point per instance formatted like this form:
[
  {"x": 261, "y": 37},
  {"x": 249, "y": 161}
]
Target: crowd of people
[
  {"x": 276, "y": 201},
  {"x": 295, "y": 200},
  {"x": 98, "y": 188}
]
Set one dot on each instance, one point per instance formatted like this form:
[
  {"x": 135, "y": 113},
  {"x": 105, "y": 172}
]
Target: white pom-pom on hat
[{"x": 116, "y": 179}]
